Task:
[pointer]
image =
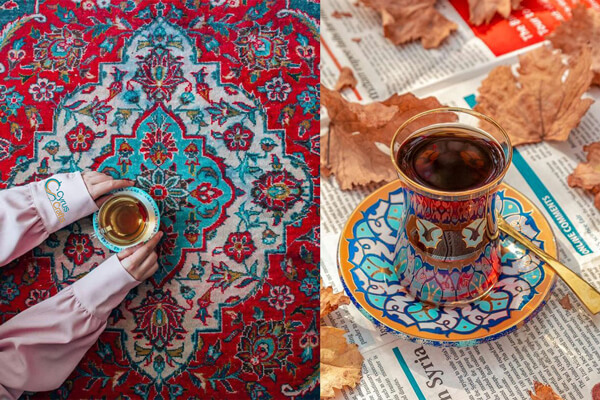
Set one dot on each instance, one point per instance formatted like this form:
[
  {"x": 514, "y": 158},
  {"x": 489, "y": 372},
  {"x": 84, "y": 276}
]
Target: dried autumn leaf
[
  {"x": 587, "y": 175},
  {"x": 537, "y": 105},
  {"x": 482, "y": 11},
  {"x": 581, "y": 31},
  {"x": 543, "y": 392},
  {"x": 565, "y": 302},
  {"x": 330, "y": 301},
  {"x": 345, "y": 80},
  {"x": 341, "y": 362},
  {"x": 349, "y": 150},
  {"x": 408, "y": 20},
  {"x": 340, "y": 15},
  {"x": 596, "y": 392}
]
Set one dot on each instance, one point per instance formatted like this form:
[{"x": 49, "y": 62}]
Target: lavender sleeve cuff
[
  {"x": 61, "y": 200},
  {"x": 104, "y": 288}
]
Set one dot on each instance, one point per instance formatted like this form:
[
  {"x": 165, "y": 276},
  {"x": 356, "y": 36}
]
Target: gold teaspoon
[{"x": 586, "y": 293}]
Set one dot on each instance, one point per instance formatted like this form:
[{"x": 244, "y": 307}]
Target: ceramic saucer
[
  {"x": 153, "y": 218},
  {"x": 365, "y": 262}
]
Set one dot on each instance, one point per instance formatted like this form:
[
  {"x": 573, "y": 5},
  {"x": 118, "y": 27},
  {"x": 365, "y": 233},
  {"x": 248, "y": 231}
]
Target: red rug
[{"x": 211, "y": 107}]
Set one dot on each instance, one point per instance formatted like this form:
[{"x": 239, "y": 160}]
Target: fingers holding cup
[
  {"x": 103, "y": 187},
  {"x": 99, "y": 184},
  {"x": 141, "y": 261}
]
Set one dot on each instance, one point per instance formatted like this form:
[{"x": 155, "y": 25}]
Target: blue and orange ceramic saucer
[{"x": 365, "y": 262}]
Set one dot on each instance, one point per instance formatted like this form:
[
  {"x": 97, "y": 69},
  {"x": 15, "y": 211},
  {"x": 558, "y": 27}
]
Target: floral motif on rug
[{"x": 212, "y": 108}]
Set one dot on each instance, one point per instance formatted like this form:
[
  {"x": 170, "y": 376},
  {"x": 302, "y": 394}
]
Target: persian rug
[{"x": 212, "y": 108}]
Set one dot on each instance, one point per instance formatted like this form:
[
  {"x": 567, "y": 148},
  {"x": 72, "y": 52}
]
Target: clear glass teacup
[{"x": 450, "y": 162}]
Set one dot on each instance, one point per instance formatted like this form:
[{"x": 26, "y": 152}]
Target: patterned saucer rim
[
  {"x": 439, "y": 340},
  {"x": 147, "y": 200}
]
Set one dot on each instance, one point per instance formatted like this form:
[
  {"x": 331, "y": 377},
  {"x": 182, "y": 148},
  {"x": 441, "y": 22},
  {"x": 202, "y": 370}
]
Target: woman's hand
[
  {"x": 99, "y": 184},
  {"x": 141, "y": 260}
]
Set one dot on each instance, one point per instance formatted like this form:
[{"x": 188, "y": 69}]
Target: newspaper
[
  {"x": 378, "y": 65},
  {"x": 558, "y": 347}
]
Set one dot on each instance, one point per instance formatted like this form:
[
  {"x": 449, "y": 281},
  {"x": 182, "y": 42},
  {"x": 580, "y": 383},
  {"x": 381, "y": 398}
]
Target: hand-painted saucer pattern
[
  {"x": 366, "y": 266},
  {"x": 153, "y": 218}
]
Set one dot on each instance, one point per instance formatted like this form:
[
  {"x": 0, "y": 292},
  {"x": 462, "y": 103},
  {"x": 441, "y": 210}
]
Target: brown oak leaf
[
  {"x": 482, "y": 11},
  {"x": 345, "y": 80},
  {"x": 582, "y": 30},
  {"x": 596, "y": 392},
  {"x": 340, "y": 15},
  {"x": 543, "y": 392},
  {"x": 537, "y": 105},
  {"x": 587, "y": 175},
  {"x": 349, "y": 151},
  {"x": 330, "y": 301},
  {"x": 341, "y": 362},
  {"x": 565, "y": 302},
  {"x": 408, "y": 20}
]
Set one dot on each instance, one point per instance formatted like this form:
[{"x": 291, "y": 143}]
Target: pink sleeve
[
  {"x": 41, "y": 346},
  {"x": 28, "y": 214}
]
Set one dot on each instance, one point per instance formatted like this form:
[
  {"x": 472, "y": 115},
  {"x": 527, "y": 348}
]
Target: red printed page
[{"x": 529, "y": 25}]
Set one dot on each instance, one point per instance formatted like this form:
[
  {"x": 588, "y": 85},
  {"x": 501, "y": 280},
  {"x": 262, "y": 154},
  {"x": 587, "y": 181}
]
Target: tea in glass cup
[
  {"x": 123, "y": 220},
  {"x": 450, "y": 162}
]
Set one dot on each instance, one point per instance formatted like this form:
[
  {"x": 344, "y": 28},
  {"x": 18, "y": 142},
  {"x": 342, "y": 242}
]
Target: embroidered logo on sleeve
[{"x": 56, "y": 197}]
